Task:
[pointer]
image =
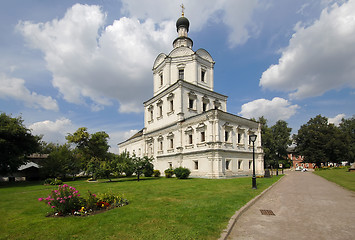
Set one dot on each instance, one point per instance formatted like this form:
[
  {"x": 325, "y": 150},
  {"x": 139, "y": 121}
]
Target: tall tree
[
  {"x": 347, "y": 128},
  {"x": 281, "y": 139},
  {"x": 93, "y": 148},
  {"x": 266, "y": 141},
  {"x": 312, "y": 140},
  {"x": 16, "y": 141}
]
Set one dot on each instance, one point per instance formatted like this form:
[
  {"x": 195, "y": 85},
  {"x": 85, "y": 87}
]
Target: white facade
[{"x": 186, "y": 122}]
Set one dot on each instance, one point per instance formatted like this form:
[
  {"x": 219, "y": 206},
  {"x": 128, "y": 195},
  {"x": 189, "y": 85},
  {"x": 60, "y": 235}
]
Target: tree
[
  {"x": 266, "y": 141},
  {"x": 347, "y": 129},
  {"x": 61, "y": 162},
  {"x": 93, "y": 149},
  {"x": 141, "y": 164},
  {"x": 315, "y": 141},
  {"x": 281, "y": 140},
  {"x": 16, "y": 141}
]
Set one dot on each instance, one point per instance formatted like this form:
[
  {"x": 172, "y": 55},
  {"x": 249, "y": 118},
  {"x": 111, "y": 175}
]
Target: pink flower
[
  {"x": 94, "y": 195},
  {"x": 49, "y": 203},
  {"x": 58, "y": 198},
  {"x": 53, "y": 207},
  {"x": 40, "y": 199},
  {"x": 78, "y": 195},
  {"x": 70, "y": 196}
]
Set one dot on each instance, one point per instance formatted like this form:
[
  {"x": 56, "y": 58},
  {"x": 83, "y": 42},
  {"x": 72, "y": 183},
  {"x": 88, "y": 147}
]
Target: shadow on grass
[{"x": 130, "y": 179}]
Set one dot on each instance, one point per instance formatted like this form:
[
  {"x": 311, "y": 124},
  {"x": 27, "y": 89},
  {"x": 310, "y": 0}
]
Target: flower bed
[{"x": 66, "y": 201}]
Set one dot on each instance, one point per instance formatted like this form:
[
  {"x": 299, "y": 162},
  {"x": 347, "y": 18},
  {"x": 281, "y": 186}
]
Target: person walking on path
[{"x": 305, "y": 206}]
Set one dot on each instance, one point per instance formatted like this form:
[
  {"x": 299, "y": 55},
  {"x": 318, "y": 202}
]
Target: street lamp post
[{"x": 253, "y": 138}]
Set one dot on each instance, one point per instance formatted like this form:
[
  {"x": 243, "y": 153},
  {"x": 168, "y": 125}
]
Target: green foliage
[
  {"x": 61, "y": 162},
  {"x": 320, "y": 142},
  {"x": 113, "y": 199},
  {"x": 169, "y": 173},
  {"x": 347, "y": 129},
  {"x": 63, "y": 201},
  {"x": 275, "y": 141},
  {"x": 93, "y": 148},
  {"x": 53, "y": 181},
  {"x": 156, "y": 173},
  {"x": 141, "y": 164},
  {"x": 16, "y": 142},
  {"x": 182, "y": 173},
  {"x": 148, "y": 171},
  {"x": 67, "y": 200}
]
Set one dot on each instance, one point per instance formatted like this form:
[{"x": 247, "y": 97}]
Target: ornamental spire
[{"x": 182, "y": 9}]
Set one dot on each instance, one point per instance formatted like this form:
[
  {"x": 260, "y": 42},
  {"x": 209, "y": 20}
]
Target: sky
[{"x": 67, "y": 64}]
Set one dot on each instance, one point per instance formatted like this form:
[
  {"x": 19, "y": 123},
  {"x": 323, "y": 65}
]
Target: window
[
  {"x": 196, "y": 165},
  {"x": 190, "y": 138},
  {"x": 203, "y": 75},
  {"x": 160, "y": 111},
  {"x": 239, "y": 138},
  {"x": 161, "y": 79},
  {"x": 203, "y": 137},
  {"x": 181, "y": 74},
  {"x": 250, "y": 164},
  {"x": 171, "y": 143},
  {"x": 151, "y": 115},
  {"x": 170, "y": 164},
  {"x": 240, "y": 164},
  {"x": 204, "y": 107},
  {"x": 226, "y": 136},
  {"x": 171, "y": 105},
  {"x": 191, "y": 103},
  {"x": 228, "y": 164},
  {"x": 161, "y": 145}
]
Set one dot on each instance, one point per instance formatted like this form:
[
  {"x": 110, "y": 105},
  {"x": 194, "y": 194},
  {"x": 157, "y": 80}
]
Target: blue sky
[{"x": 69, "y": 64}]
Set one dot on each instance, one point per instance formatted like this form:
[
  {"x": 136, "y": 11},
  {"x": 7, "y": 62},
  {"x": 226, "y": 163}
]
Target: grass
[
  {"x": 340, "y": 176},
  {"x": 159, "y": 209}
]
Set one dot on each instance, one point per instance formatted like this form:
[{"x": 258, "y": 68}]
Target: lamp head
[{"x": 252, "y": 137}]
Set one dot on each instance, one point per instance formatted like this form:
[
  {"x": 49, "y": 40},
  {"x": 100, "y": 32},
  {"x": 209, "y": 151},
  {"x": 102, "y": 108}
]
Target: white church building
[{"x": 187, "y": 124}]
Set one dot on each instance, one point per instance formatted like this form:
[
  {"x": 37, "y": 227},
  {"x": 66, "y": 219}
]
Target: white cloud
[
  {"x": 94, "y": 65},
  {"x": 274, "y": 110},
  {"x": 337, "y": 119},
  {"x": 319, "y": 58},
  {"x": 235, "y": 14},
  {"x": 14, "y": 88},
  {"x": 53, "y": 131}
]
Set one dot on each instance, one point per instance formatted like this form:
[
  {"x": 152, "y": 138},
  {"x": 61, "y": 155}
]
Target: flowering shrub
[
  {"x": 64, "y": 200},
  {"x": 67, "y": 200}
]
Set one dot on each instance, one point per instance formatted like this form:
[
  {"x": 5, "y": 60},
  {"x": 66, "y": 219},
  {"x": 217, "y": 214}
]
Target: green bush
[
  {"x": 156, "y": 173},
  {"x": 51, "y": 181},
  {"x": 148, "y": 170},
  {"x": 182, "y": 173},
  {"x": 169, "y": 173}
]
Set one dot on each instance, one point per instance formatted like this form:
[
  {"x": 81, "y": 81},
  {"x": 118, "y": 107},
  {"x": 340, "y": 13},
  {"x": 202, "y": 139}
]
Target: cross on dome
[{"x": 182, "y": 9}]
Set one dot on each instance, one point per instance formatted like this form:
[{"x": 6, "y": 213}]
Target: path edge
[{"x": 233, "y": 220}]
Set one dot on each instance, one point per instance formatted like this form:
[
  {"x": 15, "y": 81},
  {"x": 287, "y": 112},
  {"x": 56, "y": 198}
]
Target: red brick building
[{"x": 297, "y": 160}]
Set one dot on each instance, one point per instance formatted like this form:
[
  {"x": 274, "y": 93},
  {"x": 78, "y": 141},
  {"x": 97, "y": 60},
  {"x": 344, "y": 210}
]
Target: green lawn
[
  {"x": 339, "y": 176},
  {"x": 159, "y": 209}
]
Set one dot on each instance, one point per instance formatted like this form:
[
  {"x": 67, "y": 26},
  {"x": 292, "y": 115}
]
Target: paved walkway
[{"x": 305, "y": 205}]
